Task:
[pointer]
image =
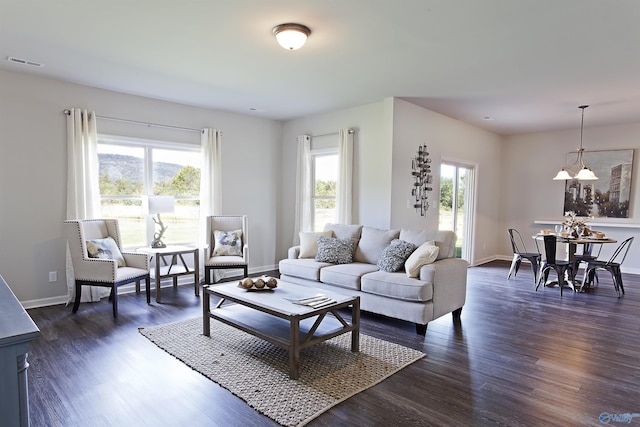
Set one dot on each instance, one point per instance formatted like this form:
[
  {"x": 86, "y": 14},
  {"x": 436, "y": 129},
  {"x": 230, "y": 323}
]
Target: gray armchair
[
  {"x": 216, "y": 256},
  {"x": 97, "y": 263}
]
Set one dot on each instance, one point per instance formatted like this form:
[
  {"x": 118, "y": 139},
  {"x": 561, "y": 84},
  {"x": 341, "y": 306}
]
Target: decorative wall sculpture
[{"x": 422, "y": 178}]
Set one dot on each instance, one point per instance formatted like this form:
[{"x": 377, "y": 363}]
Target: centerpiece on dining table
[{"x": 576, "y": 226}]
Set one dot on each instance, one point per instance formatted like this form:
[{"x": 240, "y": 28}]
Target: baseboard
[{"x": 126, "y": 289}]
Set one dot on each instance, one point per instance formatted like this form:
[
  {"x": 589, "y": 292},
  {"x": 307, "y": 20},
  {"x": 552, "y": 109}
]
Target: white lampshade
[
  {"x": 586, "y": 174},
  {"x": 562, "y": 175},
  {"x": 161, "y": 204},
  {"x": 291, "y": 36}
]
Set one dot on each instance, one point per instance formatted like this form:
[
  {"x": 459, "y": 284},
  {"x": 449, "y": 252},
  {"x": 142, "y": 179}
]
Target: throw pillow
[
  {"x": 227, "y": 243},
  {"x": 372, "y": 243},
  {"x": 309, "y": 242},
  {"x": 425, "y": 254},
  {"x": 106, "y": 248},
  {"x": 394, "y": 256},
  {"x": 335, "y": 251}
]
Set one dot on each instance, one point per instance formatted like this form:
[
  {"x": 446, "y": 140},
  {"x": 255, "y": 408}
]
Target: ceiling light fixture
[
  {"x": 584, "y": 173},
  {"x": 291, "y": 36}
]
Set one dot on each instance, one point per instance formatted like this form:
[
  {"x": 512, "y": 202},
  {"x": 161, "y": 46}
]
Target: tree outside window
[
  {"x": 129, "y": 172},
  {"x": 325, "y": 176}
]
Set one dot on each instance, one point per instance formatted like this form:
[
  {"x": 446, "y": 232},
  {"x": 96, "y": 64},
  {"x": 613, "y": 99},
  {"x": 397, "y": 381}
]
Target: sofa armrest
[
  {"x": 448, "y": 277},
  {"x": 293, "y": 252}
]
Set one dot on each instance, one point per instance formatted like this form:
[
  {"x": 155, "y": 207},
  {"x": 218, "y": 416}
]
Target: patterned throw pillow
[
  {"x": 393, "y": 256},
  {"x": 335, "y": 251},
  {"x": 227, "y": 243},
  {"x": 106, "y": 248}
]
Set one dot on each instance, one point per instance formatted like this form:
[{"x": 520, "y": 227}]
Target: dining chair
[
  {"x": 589, "y": 253},
  {"x": 519, "y": 252},
  {"x": 562, "y": 268},
  {"x": 612, "y": 266}
]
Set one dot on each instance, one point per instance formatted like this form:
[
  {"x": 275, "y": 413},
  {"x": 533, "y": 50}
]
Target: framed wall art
[{"x": 610, "y": 194}]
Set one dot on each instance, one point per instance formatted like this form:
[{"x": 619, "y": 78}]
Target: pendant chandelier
[{"x": 584, "y": 173}]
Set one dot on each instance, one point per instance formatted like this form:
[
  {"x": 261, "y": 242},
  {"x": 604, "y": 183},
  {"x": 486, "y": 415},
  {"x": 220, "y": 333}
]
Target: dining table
[{"x": 573, "y": 242}]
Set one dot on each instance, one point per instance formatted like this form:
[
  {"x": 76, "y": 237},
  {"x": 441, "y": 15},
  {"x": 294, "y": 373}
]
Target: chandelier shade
[
  {"x": 291, "y": 36},
  {"x": 584, "y": 173}
]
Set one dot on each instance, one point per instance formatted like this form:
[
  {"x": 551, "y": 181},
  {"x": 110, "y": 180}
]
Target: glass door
[{"x": 457, "y": 204}]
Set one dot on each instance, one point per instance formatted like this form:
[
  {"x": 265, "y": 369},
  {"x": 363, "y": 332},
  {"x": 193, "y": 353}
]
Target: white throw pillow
[
  {"x": 425, "y": 254},
  {"x": 309, "y": 242}
]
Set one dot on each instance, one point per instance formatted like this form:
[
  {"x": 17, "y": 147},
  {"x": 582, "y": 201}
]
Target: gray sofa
[{"x": 440, "y": 287}]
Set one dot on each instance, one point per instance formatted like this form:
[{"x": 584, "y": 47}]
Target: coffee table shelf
[{"x": 270, "y": 316}]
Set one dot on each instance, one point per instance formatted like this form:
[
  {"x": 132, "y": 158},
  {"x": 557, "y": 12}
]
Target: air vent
[{"x": 24, "y": 61}]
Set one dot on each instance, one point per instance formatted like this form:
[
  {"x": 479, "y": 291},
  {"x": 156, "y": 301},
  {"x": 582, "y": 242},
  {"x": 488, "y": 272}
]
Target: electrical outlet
[{"x": 53, "y": 276}]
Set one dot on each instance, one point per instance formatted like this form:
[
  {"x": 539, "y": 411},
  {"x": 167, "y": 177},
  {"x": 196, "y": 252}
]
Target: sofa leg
[
  {"x": 421, "y": 329},
  {"x": 456, "y": 314}
]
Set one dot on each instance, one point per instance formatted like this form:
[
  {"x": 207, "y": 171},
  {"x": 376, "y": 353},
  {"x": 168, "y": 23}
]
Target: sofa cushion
[
  {"x": 344, "y": 231},
  {"x": 372, "y": 243},
  {"x": 336, "y": 251},
  {"x": 425, "y": 254},
  {"x": 396, "y": 285},
  {"x": 345, "y": 275},
  {"x": 445, "y": 240},
  {"x": 302, "y": 268},
  {"x": 393, "y": 256},
  {"x": 309, "y": 242}
]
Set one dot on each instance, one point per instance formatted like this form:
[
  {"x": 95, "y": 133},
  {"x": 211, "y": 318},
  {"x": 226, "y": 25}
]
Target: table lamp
[{"x": 158, "y": 205}]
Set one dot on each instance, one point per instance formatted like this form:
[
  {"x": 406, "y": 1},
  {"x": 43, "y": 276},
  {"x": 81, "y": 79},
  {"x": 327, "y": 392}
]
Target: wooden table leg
[
  {"x": 206, "y": 320},
  {"x": 158, "y": 280},
  {"x": 355, "y": 322},
  {"x": 294, "y": 348},
  {"x": 196, "y": 272}
]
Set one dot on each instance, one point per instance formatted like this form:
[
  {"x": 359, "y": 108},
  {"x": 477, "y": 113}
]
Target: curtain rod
[
  {"x": 351, "y": 131},
  {"x": 115, "y": 119}
]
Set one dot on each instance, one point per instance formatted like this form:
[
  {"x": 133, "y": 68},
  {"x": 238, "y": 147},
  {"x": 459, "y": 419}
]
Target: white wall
[
  {"x": 259, "y": 158},
  {"x": 388, "y": 134},
  {"x": 372, "y": 169},
  {"x": 33, "y": 171},
  {"x": 530, "y": 193},
  {"x": 454, "y": 140}
]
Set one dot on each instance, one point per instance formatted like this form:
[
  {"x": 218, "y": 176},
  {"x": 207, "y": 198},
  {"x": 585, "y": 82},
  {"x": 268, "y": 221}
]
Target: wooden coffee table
[{"x": 269, "y": 315}]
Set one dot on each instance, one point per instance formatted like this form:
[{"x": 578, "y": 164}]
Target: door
[{"x": 457, "y": 204}]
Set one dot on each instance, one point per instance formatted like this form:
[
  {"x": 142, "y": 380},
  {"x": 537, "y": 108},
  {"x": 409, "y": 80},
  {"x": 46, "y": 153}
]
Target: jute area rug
[{"x": 258, "y": 372}]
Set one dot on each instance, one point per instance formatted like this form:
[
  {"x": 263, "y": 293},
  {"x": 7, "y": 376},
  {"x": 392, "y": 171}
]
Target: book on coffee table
[{"x": 315, "y": 301}]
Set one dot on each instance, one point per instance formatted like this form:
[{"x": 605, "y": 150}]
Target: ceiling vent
[{"x": 23, "y": 61}]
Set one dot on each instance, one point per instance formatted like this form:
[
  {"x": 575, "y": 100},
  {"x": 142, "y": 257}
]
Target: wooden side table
[{"x": 170, "y": 262}]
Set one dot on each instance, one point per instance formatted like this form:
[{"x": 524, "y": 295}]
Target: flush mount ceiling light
[
  {"x": 291, "y": 36},
  {"x": 584, "y": 173}
]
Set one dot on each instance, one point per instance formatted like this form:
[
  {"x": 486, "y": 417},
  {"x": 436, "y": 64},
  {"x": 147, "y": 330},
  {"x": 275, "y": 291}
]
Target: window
[
  {"x": 131, "y": 169},
  {"x": 324, "y": 176}
]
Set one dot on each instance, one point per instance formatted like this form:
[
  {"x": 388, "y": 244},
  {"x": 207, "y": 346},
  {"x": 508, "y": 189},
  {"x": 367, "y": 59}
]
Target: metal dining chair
[
  {"x": 561, "y": 267},
  {"x": 519, "y": 252},
  {"x": 612, "y": 266}
]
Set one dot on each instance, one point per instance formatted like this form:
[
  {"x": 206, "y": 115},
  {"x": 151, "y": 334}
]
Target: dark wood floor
[{"x": 518, "y": 358}]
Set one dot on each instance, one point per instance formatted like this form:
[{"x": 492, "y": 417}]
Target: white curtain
[
  {"x": 303, "y": 188},
  {"x": 344, "y": 185},
  {"x": 210, "y": 183},
  {"x": 83, "y": 193}
]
